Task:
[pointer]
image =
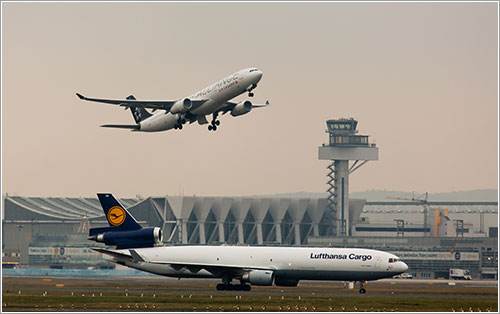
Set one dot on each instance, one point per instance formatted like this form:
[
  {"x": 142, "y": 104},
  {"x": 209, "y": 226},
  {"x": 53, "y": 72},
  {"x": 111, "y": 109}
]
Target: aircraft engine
[
  {"x": 145, "y": 237},
  {"x": 181, "y": 106},
  {"x": 259, "y": 277},
  {"x": 241, "y": 108},
  {"x": 286, "y": 282}
]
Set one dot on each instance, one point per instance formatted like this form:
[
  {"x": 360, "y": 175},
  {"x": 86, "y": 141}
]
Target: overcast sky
[{"x": 421, "y": 79}]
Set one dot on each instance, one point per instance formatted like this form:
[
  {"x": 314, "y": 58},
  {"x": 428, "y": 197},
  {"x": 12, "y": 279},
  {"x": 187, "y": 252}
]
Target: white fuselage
[
  {"x": 297, "y": 263},
  {"x": 215, "y": 95}
]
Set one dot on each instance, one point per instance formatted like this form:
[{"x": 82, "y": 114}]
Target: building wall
[
  {"x": 256, "y": 221},
  {"x": 420, "y": 253}
]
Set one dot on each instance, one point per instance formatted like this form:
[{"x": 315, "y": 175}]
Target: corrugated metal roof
[{"x": 65, "y": 207}]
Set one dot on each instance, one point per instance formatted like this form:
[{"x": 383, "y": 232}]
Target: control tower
[{"x": 344, "y": 145}]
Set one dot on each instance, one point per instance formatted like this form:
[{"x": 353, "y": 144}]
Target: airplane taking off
[
  {"x": 211, "y": 100},
  {"x": 136, "y": 247}
]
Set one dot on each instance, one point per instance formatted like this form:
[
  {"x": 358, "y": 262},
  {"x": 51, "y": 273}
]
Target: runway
[{"x": 169, "y": 294}]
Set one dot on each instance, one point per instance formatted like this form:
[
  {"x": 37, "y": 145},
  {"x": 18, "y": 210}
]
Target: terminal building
[
  {"x": 52, "y": 232},
  {"x": 431, "y": 237}
]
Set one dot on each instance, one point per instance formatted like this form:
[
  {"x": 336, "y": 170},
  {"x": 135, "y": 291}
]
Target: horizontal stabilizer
[
  {"x": 121, "y": 126},
  {"x": 96, "y": 231}
]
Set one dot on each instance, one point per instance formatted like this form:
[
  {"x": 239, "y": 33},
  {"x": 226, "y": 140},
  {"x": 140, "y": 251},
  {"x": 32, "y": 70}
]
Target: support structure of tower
[{"x": 344, "y": 145}]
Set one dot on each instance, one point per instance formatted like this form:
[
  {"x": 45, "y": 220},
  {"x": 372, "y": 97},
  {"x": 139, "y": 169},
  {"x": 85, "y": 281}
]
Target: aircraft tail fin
[
  {"x": 139, "y": 113},
  {"x": 118, "y": 217}
]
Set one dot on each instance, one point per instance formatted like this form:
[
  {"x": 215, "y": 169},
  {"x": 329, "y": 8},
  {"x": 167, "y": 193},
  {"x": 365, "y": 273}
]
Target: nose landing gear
[
  {"x": 249, "y": 90},
  {"x": 362, "y": 288}
]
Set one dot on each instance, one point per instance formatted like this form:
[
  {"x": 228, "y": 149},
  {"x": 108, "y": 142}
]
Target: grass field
[{"x": 59, "y": 295}]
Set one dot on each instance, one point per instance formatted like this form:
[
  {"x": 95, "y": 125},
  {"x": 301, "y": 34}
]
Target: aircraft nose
[
  {"x": 257, "y": 75},
  {"x": 404, "y": 267}
]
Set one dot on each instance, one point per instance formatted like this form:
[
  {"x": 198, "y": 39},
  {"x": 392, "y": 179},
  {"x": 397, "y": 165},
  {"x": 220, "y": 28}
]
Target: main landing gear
[
  {"x": 226, "y": 284},
  {"x": 230, "y": 287},
  {"x": 179, "y": 123},
  {"x": 213, "y": 125}
]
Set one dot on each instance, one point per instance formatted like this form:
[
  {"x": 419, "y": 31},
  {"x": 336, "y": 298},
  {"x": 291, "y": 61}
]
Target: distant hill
[{"x": 381, "y": 195}]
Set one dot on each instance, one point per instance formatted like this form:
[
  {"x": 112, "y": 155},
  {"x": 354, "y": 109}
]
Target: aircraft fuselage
[
  {"x": 287, "y": 263},
  {"x": 215, "y": 95}
]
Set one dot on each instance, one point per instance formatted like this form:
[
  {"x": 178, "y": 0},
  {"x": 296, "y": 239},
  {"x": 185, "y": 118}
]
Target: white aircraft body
[
  {"x": 138, "y": 247},
  {"x": 211, "y": 100},
  {"x": 283, "y": 266}
]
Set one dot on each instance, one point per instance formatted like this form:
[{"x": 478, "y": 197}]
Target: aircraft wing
[
  {"x": 195, "y": 267},
  {"x": 229, "y": 105},
  {"x": 114, "y": 254},
  {"x": 150, "y": 104}
]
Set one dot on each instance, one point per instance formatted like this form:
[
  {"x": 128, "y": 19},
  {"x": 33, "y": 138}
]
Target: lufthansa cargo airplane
[
  {"x": 139, "y": 248},
  {"x": 211, "y": 100}
]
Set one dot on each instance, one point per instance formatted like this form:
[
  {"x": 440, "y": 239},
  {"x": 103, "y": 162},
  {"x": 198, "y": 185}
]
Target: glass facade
[{"x": 348, "y": 140}]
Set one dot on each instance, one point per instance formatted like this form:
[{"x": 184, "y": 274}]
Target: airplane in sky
[
  {"x": 212, "y": 100},
  {"x": 138, "y": 248}
]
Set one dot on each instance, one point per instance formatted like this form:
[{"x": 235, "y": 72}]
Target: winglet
[
  {"x": 136, "y": 257},
  {"x": 80, "y": 96}
]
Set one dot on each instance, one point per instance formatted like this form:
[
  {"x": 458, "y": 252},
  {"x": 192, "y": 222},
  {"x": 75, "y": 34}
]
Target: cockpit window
[
  {"x": 253, "y": 70},
  {"x": 394, "y": 260}
]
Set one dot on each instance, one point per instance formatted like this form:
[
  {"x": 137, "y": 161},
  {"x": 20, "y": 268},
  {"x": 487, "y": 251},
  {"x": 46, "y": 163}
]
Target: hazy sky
[{"x": 421, "y": 78}]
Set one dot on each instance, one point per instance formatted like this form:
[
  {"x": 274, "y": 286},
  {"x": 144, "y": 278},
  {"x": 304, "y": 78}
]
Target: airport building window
[{"x": 348, "y": 140}]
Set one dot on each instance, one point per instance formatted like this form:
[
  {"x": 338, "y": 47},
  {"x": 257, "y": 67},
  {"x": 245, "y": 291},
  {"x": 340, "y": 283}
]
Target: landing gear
[
  {"x": 249, "y": 90},
  {"x": 362, "y": 288},
  {"x": 213, "y": 125},
  {"x": 229, "y": 287},
  {"x": 179, "y": 123}
]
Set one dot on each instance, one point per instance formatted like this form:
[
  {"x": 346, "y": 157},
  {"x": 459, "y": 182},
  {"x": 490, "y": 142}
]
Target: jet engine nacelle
[
  {"x": 259, "y": 277},
  {"x": 241, "y": 108},
  {"x": 145, "y": 237},
  {"x": 286, "y": 282},
  {"x": 181, "y": 106}
]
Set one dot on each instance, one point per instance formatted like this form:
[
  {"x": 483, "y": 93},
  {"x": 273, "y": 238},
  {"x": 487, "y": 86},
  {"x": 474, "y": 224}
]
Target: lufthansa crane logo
[{"x": 116, "y": 215}]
